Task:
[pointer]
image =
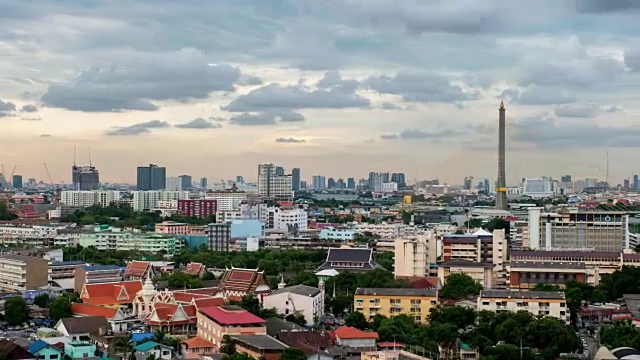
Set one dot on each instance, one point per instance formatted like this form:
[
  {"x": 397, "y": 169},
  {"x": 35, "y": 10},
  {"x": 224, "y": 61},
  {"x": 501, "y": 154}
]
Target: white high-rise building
[
  {"x": 272, "y": 185},
  {"x": 226, "y": 200},
  {"x": 143, "y": 200},
  {"x": 89, "y": 198},
  {"x": 286, "y": 219},
  {"x": 389, "y": 187},
  {"x": 537, "y": 188},
  {"x": 174, "y": 184}
]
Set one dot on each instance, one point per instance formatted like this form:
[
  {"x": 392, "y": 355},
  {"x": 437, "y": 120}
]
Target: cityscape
[{"x": 319, "y": 180}]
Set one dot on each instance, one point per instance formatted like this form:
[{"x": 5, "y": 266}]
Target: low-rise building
[
  {"x": 355, "y": 338},
  {"x": 94, "y": 274},
  {"x": 481, "y": 272},
  {"x": 218, "y": 321},
  {"x": 79, "y": 350},
  {"x": 389, "y": 302},
  {"x": 259, "y": 346},
  {"x": 301, "y": 299},
  {"x": 19, "y": 273},
  {"x": 538, "y": 303}
]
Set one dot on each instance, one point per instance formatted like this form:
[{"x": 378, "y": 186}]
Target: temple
[{"x": 238, "y": 282}]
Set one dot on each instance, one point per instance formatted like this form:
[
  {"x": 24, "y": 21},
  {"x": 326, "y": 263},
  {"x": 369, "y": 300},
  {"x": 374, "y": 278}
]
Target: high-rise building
[
  {"x": 303, "y": 185},
  {"x": 636, "y": 183},
  {"x": 17, "y": 181},
  {"x": 626, "y": 184},
  {"x": 319, "y": 182},
  {"x": 240, "y": 179},
  {"x": 537, "y": 188},
  {"x": 400, "y": 179},
  {"x": 270, "y": 185},
  {"x": 219, "y": 235},
  {"x": 340, "y": 184},
  {"x": 85, "y": 178},
  {"x": 200, "y": 208},
  {"x": 279, "y": 171},
  {"x": 203, "y": 182},
  {"x": 468, "y": 182},
  {"x": 295, "y": 178},
  {"x": 501, "y": 188},
  {"x": 151, "y": 177},
  {"x": 331, "y": 183},
  {"x": 351, "y": 183},
  {"x": 186, "y": 182},
  {"x": 376, "y": 180},
  {"x": 174, "y": 183},
  {"x": 565, "y": 178}
]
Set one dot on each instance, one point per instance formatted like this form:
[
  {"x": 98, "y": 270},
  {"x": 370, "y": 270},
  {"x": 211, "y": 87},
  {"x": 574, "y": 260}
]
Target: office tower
[
  {"x": 537, "y": 188},
  {"x": 351, "y": 183},
  {"x": 625, "y": 184},
  {"x": 270, "y": 185},
  {"x": 318, "y": 182},
  {"x": 185, "y": 182},
  {"x": 487, "y": 185},
  {"x": 295, "y": 178},
  {"x": 565, "y": 178},
  {"x": 174, "y": 183},
  {"x": 331, "y": 183},
  {"x": 303, "y": 185},
  {"x": 376, "y": 180},
  {"x": 151, "y": 177},
  {"x": 279, "y": 171},
  {"x": 17, "y": 181},
  {"x": 239, "y": 179},
  {"x": 636, "y": 183},
  {"x": 85, "y": 178},
  {"x": 203, "y": 182},
  {"x": 340, "y": 184},
  {"x": 399, "y": 178},
  {"x": 501, "y": 189},
  {"x": 468, "y": 182}
]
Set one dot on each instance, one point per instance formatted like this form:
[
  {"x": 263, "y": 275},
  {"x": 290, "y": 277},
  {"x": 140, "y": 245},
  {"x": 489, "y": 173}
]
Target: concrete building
[
  {"x": 343, "y": 234},
  {"x": 590, "y": 231},
  {"x": 94, "y": 274},
  {"x": 414, "y": 255},
  {"x": 216, "y": 322},
  {"x": 272, "y": 184},
  {"x": 85, "y": 178},
  {"x": 384, "y": 230},
  {"x": 537, "y": 188},
  {"x": 295, "y": 179},
  {"x": 286, "y": 219},
  {"x": 226, "y": 200},
  {"x": 537, "y": 303},
  {"x": 200, "y": 208},
  {"x": 145, "y": 200},
  {"x": 19, "y": 273},
  {"x": 301, "y": 299},
  {"x": 151, "y": 177},
  {"x": 390, "y": 302},
  {"x": 219, "y": 236},
  {"x": 481, "y": 272}
]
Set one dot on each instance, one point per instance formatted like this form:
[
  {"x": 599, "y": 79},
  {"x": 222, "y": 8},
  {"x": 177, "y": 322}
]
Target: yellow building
[
  {"x": 407, "y": 199},
  {"x": 396, "y": 301}
]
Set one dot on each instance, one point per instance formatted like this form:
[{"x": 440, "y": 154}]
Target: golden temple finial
[{"x": 501, "y": 105}]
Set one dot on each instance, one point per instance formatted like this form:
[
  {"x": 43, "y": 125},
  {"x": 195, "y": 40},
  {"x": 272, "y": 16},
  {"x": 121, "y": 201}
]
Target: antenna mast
[
  {"x": 74, "y": 156},
  {"x": 606, "y": 179},
  {"x": 89, "y": 147}
]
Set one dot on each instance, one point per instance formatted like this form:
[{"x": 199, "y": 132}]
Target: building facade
[
  {"x": 390, "y": 302},
  {"x": 537, "y": 303},
  {"x": 413, "y": 256},
  {"x": 85, "y": 178},
  {"x": 219, "y": 236},
  {"x": 19, "y": 273},
  {"x": 200, "y": 208},
  {"x": 298, "y": 299},
  {"x": 151, "y": 177}
]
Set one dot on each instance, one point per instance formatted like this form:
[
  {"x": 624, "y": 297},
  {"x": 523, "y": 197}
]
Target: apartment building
[
  {"x": 226, "y": 200},
  {"x": 63, "y": 273},
  {"x": 537, "y": 303},
  {"x": 19, "y": 273},
  {"x": 216, "y": 322},
  {"x": 94, "y": 274},
  {"x": 286, "y": 219},
  {"x": 172, "y": 227},
  {"x": 298, "y": 299},
  {"x": 413, "y": 256},
  {"x": 116, "y": 239},
  {"x": 145, "y": 200},
  {"x": 384, "y": 230},
  {"x": 200, "y": 208},
  {"x": 601, "y": 231},
  {"x": 90, "y": 198},
  {"x": 481, "y": 272},
  {"x": 395, "y": 301},
  {"x": 343, "y": 234}
]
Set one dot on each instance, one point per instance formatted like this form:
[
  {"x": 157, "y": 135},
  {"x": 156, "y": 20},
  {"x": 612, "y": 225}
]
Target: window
[{"x": 415, "y": 302}]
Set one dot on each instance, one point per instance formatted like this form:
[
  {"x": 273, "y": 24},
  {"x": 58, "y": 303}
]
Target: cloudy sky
[{"x": 336, "y": 87}]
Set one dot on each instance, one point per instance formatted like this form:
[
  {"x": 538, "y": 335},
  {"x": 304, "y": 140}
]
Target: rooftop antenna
[
  {"x": 89, "y": 147},
  {"x": 606, "y": 178},
  {"x": 74, "y": 155}
]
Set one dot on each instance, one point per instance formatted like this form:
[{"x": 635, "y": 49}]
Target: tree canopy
[
  {"x": 620, "y": 334},
  {"x": 60, "y": 308},
  {"x": 459, "y": 286},
  {"x": 16, "y": 311},
  {"x": 293, "y": 353}
]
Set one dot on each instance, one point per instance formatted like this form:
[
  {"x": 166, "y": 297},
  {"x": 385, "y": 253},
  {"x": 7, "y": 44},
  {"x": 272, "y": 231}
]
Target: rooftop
[
  {"x": 303, "y": 290},
  {"x": 467, "y": 263},
  {"x": 231, "y": 315},
  {"x": 508, "y": 294},
  {"x": 396, "y": 292},
  {"x": 348, "y": 332},
  {"x": 548, "y": 265},
  {"x": 261, "y": 342}
]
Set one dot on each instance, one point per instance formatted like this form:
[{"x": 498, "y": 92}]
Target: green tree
[
  {"x": 510, "y": 352},
  {"x": 227, "y": 346},
  {"x": 357, "y": 320},
  {"x": 620, "y": 334},
  {"x": 497, "y": 223},
  {"x": 178, "y": 279},
  {"x": 16, "y": 311},
  {"x": 5, "y": 214},
  {"x": 459, "y": 286},
  {"x": 293, "y": 353},
  {"x": 240, "y": 356},
  {"x": 545, "y": 287},
  {"x": 459, "y": 316},
  {"x": 296, "y": 317},
  {"x": 150, "y": 357},
  {"x": 122, "y": 344},
  {"x": 60, "y": 308},
  {"x": 42, "y": 300}
]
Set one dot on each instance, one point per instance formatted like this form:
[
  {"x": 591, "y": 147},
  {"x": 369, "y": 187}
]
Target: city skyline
[{"x": 332, "y": 88}]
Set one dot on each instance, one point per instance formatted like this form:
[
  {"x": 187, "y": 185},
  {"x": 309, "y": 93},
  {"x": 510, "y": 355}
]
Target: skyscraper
[
  {"x": 399, "y": 178},
  {"x": 635, "y": 182},
  {"x": 85, "y": 178},
  {"x": 151, "y": 177},
  {"x": 186, "y": 182},
  {"x": 295, "y": 178},
  {"x": 331, "y": 183},
  {"x": 17, "y": 181},
  {"x": 203, "y": 182},
  {"x": 351, "y": 183},
  {"x": 501, "y": 188},
  {"x": 565, "y": 178},
  {"x": 318, "y": 182},
  {"x": 279, "y": 171},
  {"x": 271, "y": 185}
]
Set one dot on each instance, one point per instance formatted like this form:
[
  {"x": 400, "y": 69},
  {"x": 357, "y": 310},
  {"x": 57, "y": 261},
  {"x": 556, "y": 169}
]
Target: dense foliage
[
  {"x": 620, "y": 334},
  {"x": 4, "y": 212},
  {"x": 459, "y": 286},
  {"x": 60, "y": 308},
  {"x": 16, "y": 311}
]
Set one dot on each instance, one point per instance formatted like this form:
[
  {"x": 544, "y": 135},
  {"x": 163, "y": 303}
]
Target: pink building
[
  {"x": 217, "y": 321},
  {"x": 172, "y": 227}
]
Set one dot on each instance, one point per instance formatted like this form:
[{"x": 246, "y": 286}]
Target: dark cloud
[
  {"x": 536, "y": 95},
  {"x": 333, "y": 80},
  {"x": 290, "y": 140},
  {"x": 550, "y": 133},
  {"x": 578, "y": 111},
  {"x": 137, "y": 129},
  {"x": 199, "y": 123},
  {"x": 29, "y": 108},
  {"x": 249, "y": 80},
  {"x": 179, "y": 76},
  {"x": 413, "y": 134},
  {"x": 266, "y": 117},
  {"x": 632, "y": 59},
  {"x": 7, "y": 108},
  {"x": 606, "y": 6},
  {"x": 420, "y": 87},
  {"x": 279, "y": 97}
]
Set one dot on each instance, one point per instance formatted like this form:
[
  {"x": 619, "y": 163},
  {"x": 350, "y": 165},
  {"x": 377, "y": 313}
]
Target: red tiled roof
[
  {"x": 187, "y": 297},
  {"x": 243, "y": 280},
  {"x": 208, "y": 302},
  {"x": 348, "y": 332},
  {"x": 231, "y": 315},
  {"x": 137, "y": 269},
  {"x": 166, "y": 312},
  {"x": 122, "y": 292},
  {"x": 92, "y": 310},
  {"x": 197, "y": 343},
  {"x": 195, "y": 269},
  {"x": 201, "y": 291}
]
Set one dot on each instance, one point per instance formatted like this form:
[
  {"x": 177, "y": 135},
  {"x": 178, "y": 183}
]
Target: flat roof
[
  {"x": 395, "y": 292},
  {"x": 548, "y": 265},
  {"x": 502, "y": 294},
  {"x": 262, "y": 342}
]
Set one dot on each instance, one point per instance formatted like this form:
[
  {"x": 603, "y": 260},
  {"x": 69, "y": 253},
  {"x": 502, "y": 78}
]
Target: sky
[{"x": 335, "y": 87}]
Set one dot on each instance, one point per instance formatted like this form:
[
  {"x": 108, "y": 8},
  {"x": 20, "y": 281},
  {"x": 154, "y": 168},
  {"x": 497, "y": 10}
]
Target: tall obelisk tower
[{"x": 501, "y": 188}]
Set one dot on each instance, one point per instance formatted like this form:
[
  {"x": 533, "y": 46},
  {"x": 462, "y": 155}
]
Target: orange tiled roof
[
  {"x": 187, "y": 297},
  {"x": 166, "y": 312},
  {"x": 92, "y": 310},
  {"x": 348, "y": 332},
  {"x": 195, "y": 269},
  {"x": 122, "y": 292},
  {"x": 138, "y": 269},
  {"x": 244, "y": 280},
  {"x": 197, "y": 343},
  {"x": 208, "y": 302}
]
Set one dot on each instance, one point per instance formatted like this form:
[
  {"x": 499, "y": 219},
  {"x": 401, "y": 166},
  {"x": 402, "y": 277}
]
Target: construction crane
[
  {"x": 13, "y": 171},
  {"x": 48, "y": 174}
]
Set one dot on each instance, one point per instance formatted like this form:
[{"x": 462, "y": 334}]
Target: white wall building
[
  {"x": 143, "y": 200},
  {"x": 389, "y": 187},
  {"x": 537, "y": 188},
  {"x": 226, "y": 200},
  {"x": 283, "y": 219},
  {"x": 544, "y": 303},
  {"x": 302, "y": 299},
  {"x": 90, "y": 198},
  {"x": 174, "y": 183},
  {"x": 384, "y": 230}
]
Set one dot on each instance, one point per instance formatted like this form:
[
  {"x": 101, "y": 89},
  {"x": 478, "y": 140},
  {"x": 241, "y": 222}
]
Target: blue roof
[
  {"x": 139, "y": 337},
  {"x": 38, "y": 345},
  {"x": 64, "y": 263},
  {"x": 146, "y": 346},
  {"x": 101, "y": 267}
]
